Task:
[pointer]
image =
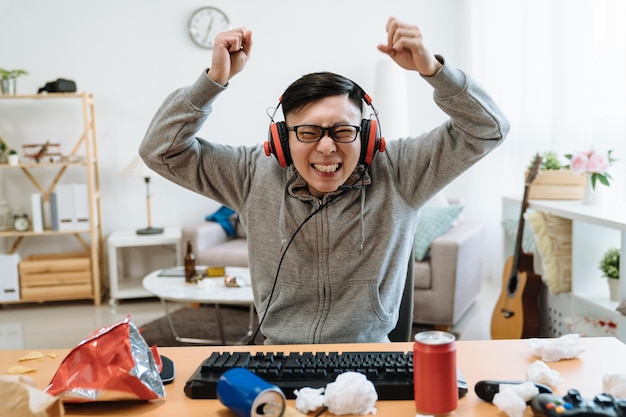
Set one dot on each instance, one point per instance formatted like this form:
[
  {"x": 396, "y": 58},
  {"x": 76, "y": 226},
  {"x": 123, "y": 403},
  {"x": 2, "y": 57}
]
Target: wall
[{"x": 131, "y": 54}]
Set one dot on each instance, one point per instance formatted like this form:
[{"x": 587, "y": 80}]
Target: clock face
[
  {"x": 205, "y": 23},
  {"x": 21, "y": 223}
]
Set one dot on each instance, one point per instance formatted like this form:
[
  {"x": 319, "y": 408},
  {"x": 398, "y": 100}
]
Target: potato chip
[
  {"x": 36, "y": 355},
  {"x": 17, "y": 369},
  {"x": 31, "y": 356}
]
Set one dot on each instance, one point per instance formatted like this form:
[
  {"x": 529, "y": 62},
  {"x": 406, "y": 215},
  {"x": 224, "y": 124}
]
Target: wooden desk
[{"x": 498, "y": 359}]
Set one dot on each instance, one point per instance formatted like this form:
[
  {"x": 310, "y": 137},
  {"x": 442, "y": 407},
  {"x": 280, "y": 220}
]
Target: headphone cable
[{"x": 280, "y": 263}]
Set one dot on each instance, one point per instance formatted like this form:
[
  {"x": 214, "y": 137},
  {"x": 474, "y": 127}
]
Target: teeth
[{"x": 326, "y": 168}]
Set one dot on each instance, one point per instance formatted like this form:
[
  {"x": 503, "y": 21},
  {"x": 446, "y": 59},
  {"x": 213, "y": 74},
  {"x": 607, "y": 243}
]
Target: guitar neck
[{"x": 520, "y": 230}]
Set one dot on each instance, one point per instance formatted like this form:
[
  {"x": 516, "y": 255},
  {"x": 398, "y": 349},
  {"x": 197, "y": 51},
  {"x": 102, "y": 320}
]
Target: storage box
[
  {"x": 9, "y": 282},
  {"x": 64, "y": 276},
  {"x": 557, "y": 185}
]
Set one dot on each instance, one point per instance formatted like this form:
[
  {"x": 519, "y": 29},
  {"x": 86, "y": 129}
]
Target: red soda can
[{"x": 434, "y": 373}]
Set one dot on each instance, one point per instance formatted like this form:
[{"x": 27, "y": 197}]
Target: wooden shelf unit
[{"x": 83, "y": 156}]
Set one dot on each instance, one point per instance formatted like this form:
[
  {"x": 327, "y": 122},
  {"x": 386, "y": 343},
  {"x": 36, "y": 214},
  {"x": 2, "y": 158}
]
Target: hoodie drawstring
[{"x": 362, "y": 222}]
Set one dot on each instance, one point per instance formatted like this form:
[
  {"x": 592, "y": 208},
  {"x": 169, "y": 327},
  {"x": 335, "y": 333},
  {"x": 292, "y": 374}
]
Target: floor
[{"x": 64, "y": 325}]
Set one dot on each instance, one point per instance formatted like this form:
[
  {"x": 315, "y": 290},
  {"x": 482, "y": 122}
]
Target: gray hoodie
[{"x": 342, "y": 277}]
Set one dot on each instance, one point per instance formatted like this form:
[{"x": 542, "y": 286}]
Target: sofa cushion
[
  {"x": 434, "y": 221},
  {"x": 233, "y": 252}
]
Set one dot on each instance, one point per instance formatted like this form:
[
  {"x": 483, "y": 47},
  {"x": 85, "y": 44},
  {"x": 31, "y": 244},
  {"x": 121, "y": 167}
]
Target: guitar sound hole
[{"x": 512, "y": 285}]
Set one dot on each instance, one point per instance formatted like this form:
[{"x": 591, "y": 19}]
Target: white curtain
[{"x": 558, "y": 69}]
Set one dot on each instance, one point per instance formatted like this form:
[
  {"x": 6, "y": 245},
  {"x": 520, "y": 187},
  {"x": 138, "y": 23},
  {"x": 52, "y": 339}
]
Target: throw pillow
[
  {"x": 553, "y": 242},
  {"x": 434, "y": 221},
  {"x": 223, "y": 216}
]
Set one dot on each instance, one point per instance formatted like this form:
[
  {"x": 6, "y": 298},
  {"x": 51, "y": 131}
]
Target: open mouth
[{"x": 326, "y": 169}]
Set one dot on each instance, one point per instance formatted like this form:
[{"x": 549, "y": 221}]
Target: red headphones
[{"x": 371, "y": 141}]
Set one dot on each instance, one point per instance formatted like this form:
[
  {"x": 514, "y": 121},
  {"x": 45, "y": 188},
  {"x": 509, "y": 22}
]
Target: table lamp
[{"x": 137, "y": 168}]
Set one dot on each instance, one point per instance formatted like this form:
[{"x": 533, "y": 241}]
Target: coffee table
[{"x": 170, "y": 286}]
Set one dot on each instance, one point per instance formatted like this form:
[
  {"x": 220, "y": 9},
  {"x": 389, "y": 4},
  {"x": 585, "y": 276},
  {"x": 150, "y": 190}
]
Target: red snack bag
[{"x": 113, "y": 363}]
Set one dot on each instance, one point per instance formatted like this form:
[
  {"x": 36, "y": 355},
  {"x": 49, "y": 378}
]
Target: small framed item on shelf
[{"x": 42, "y": 152}]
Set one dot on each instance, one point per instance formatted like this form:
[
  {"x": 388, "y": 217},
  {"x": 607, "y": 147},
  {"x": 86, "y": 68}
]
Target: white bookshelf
[{"x": 595, "y": 228}]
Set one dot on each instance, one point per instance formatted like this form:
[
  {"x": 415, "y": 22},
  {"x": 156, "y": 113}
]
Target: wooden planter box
[
  {"x": 64, "y": 276},
  {"x": 557, "y": 185}
]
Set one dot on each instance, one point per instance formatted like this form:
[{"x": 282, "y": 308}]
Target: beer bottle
[{"x": 190, "y": 264}]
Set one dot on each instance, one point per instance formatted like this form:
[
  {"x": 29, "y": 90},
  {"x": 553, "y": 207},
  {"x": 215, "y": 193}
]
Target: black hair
[{"x": 315, "y": 86}]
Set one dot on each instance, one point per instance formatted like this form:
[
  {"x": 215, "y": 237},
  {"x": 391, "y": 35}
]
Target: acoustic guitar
[{"x": 516, "y": 314}]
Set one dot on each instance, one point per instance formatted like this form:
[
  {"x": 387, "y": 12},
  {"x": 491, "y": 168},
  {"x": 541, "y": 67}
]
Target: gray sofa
[
  {"x": 212, "y": 246},
  {"x": 445, "y": 285}
]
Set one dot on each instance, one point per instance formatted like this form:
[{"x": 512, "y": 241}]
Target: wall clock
[{"x": 205, "y": 23}]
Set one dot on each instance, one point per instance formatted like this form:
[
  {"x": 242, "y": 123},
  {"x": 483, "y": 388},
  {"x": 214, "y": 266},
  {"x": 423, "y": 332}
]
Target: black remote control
[
  {"x": 572, "y": 404},
  {"x": 487, "y": 389}
]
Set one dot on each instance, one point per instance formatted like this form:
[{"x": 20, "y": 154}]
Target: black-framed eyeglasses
[{"x": 314, "y": 133}]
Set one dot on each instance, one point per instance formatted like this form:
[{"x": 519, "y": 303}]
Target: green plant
[
  {"x": 609, "y": 264},
  {"x": 8, "y": 74},
  {"x": 549, "y": 161},
  {"x": 12, "y": 152}
]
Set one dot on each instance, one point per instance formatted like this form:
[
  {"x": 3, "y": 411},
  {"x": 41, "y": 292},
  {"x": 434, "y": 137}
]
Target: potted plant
[
  {"x": 592, "y": 166},
  {"x": 13, "y": 157},
  {"x": 550, "y": 161},
  {"x": 555, "y": 181},
  {"x": 8, "y": 79},
  {"x": 609, "y": 265}
]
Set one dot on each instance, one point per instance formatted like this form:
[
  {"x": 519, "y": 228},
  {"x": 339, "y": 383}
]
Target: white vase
[
  {"x": 613, "y": 288},
  {"x": 590, "y": 195},
  {"x": 14, "y": 159}
]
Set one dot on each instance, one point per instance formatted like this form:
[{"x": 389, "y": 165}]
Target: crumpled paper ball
[
  {"x": 614, "y": 384},
  {"x": 541, "y": 373},
  {"x": 351, "y": 393},
  {"x": 512, "y": 398},
  {"x": 309, "y": 399},
  {"x": 552, "y": 350},
  {"x": 510, "y": 403}
]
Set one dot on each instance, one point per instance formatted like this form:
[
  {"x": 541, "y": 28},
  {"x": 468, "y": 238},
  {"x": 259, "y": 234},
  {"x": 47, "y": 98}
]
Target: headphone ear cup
[
  {"x": 370, "y": 141},
  {"x": 278, "y": 144}
]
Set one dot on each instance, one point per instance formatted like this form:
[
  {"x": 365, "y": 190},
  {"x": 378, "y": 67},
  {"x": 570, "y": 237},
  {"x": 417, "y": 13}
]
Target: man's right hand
[
  {"x": 405, "y": 45},
  {"x": 231, "y": 52}
]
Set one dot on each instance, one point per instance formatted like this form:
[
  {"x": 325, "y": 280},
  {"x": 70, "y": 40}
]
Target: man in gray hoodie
[{"x": 330, "y": 215}]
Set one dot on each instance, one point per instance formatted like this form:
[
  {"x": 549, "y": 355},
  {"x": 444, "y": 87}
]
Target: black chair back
[{"x": 402, "y": 331}]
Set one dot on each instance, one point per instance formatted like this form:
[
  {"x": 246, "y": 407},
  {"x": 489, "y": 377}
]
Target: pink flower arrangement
[{"x": 592, "y": 163}]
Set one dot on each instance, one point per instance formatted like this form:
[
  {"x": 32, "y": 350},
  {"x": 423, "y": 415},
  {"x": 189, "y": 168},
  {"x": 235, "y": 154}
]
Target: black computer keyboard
[{"x": 390, "y": 372}]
